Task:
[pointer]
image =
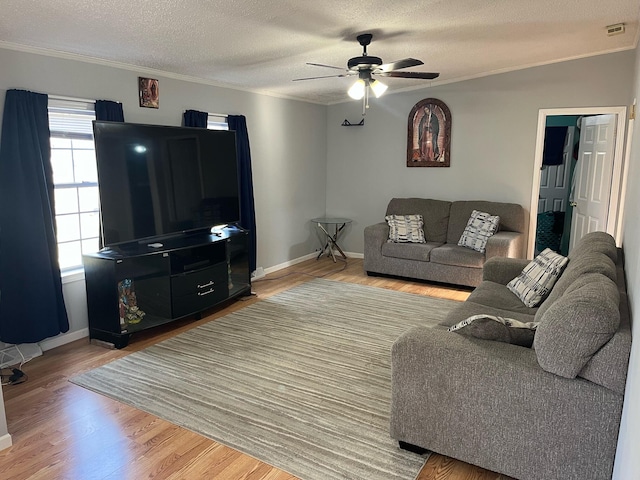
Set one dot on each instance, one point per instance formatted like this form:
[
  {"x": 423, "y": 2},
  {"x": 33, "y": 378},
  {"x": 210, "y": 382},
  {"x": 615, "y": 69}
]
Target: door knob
[{"x": 573, "y": 204}]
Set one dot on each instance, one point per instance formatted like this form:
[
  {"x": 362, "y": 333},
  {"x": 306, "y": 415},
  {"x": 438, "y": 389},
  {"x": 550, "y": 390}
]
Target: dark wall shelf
[
  {"x": 136, "y": 286},
  {"x": 347, "y": 123}
]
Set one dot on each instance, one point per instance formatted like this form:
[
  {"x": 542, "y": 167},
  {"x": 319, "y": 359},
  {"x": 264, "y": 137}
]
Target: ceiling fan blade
[
  {"x": 323, "y": 65},
  {"x": 421, "y": 75},
  {"x": 324, "y": 76},
  {"x": 404, "y": 63}
]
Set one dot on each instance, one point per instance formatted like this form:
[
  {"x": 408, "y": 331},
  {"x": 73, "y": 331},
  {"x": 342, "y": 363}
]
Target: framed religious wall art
[
  {"x": 429, "y": 134},
  {"x": 149, "y": 92}
]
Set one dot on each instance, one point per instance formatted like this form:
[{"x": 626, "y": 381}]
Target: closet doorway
[{"x": 574, "y": 173}]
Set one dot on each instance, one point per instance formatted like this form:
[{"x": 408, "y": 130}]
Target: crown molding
[{"x": 144, "y": 70}]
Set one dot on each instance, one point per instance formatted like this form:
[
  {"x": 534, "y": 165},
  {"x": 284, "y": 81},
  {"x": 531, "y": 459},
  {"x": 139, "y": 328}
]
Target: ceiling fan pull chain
[{"x": 365, "y": 102}]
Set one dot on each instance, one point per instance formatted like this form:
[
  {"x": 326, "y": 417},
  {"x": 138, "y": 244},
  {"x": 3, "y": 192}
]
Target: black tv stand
[{"x": 135, "y": 287}]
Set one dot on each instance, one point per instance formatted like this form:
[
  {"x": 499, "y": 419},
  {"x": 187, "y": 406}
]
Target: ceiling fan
[{"x": 366, "y": 67}]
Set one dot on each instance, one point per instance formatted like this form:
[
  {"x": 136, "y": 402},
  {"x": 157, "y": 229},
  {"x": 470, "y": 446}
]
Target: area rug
[{"x": 300, "y": 380}]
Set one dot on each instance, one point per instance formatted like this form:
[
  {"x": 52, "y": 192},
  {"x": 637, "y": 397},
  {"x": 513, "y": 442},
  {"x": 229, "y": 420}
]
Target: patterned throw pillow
[
  {"x": 499, "y": 329},
  {"x": 405, "y": 228},
  {"x": 480, "y": 227},
  {"x": 537, "y": 278}
]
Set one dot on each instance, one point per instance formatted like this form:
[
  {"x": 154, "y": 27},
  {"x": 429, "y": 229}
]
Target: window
[
  {"x": 217, "y": 122},
  {"x": 75, "y": 180}
]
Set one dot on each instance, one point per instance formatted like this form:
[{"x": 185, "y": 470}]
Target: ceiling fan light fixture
[
  {"x": 357, "y": 89},
  {"x": 378, "y": 88}
]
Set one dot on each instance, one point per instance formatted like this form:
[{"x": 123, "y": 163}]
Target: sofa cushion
[
  {"x": 409, "y": 251},
  {"x": 469, "y": 308},
  {"x": 538, "y": 277},
  {"x": 449, "y": 254},
  {"x": 500, "y": 329},
  {"x": 578, "y": 324},
  {"x": 600, "y": 242},
  {"x": 480, "y": 227},
  {"x": 589, "y": 262},
  {"x": 492, "y": 294},
  {"x": 512, "y": 216},
  {"x": 614, "y": 352},
  {"x": 435, "y": 214},
  {"x": 405, "y": 228}
]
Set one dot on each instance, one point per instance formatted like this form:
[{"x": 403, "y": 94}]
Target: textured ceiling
[{"x": 263, "y": 45}]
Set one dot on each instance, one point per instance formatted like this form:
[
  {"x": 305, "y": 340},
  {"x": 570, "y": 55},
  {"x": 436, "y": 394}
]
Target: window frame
[{"x": 72, "y": 119}]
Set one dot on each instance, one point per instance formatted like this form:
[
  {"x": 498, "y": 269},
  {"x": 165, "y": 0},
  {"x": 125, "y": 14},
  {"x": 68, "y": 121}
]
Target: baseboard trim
[
  {"x": 63, "y": 339},
  {"x": 290, "y": 263},
  {"x": 5, "y": 441},
  {"x": 304, "y": 258}
]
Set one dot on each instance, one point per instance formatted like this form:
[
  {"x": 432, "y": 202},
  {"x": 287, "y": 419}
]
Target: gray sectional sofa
[
  {"x": 441, "y": 259},
  {"x": 548, "y": 412}
]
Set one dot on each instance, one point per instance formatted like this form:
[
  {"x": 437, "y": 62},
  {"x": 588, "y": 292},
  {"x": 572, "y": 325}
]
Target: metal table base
[{"x": 331, "y": 239}]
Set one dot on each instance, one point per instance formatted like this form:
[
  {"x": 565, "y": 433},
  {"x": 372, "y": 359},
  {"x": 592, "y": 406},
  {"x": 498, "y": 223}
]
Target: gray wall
[
  {"x": 494, "y": 122},
  {"x": 288, "y": 147},
  {"x": 627, "y": 459}
]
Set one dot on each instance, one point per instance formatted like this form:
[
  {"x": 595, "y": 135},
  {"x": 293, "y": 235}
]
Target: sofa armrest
[
  {"x": 470, "y": 399},
  {"x": 505, "y": 244},
  {"x": 502, "y": 270},
  {"x": 374, "y": 237}
]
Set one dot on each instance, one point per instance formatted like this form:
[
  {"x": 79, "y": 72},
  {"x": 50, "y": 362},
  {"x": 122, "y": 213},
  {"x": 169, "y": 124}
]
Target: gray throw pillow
[
  {"x": 538, "y": 277},
  {"x": 405, "y": 228},
  {"x": 480, "y": 227},
  {"x": 499, "y": 329}
]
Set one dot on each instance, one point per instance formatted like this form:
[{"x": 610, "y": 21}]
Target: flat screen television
[{"x": 157, "y": 180}]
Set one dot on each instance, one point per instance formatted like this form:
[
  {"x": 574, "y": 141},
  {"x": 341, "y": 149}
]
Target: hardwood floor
[{"x": 62, "y": 431}]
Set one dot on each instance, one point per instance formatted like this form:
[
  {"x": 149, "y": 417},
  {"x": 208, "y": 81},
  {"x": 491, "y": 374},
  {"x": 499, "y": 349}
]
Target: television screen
[{"x": 157, "y": 180}]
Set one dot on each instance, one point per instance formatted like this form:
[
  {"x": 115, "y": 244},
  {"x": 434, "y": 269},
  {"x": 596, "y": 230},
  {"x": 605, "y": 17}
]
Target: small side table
[{"x": 331, "y": 239}]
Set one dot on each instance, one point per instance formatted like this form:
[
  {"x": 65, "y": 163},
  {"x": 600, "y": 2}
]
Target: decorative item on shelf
[
  {"x": 347, "y": 123},
  {"x": 429, "y": 134},
  {"x": 149, "y": 92},
  {"x": 130, "y": 313},
  {"x": 229, "y": 276}
]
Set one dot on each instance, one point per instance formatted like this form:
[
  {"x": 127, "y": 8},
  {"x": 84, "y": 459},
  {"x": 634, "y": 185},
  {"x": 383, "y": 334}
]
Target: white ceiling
[{"x": 263, "y": 45}]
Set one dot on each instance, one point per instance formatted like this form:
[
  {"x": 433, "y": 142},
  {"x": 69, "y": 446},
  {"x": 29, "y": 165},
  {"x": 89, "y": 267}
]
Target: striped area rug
[{"x": 300, "y": 380}]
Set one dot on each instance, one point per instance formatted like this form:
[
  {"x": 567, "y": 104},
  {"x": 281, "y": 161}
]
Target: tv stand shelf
[{"x": 137, "y": 286}]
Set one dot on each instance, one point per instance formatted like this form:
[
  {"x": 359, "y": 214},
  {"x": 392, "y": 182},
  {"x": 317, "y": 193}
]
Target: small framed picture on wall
[
  {"x": 149, "y": 92},
  {"x": 429, "y": 134}
]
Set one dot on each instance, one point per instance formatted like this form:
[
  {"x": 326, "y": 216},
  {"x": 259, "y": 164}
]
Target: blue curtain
[
  {"x": 109, "y": 111},
  {"x": 247, "y": 206},
  {"x": 554, "y": 138},
  {"x": 194, "y": 118},
  {"x": 31, "y": 305}
]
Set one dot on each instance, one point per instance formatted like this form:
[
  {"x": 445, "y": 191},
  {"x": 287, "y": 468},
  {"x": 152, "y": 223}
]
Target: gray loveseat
[
  {"x": 548, "y": 412},
  {"x": 441, "y": 259}
]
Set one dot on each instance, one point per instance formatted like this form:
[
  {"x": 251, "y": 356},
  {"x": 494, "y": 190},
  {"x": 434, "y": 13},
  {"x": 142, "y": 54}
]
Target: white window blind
[
  {"x": 75, "y": 179},
  {"x": 216, "y": 121}
]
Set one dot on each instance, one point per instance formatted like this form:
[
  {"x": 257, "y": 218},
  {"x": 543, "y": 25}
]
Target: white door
[
  {"x": 592, "y": 179},
  {"x": 554, "y": 179}
]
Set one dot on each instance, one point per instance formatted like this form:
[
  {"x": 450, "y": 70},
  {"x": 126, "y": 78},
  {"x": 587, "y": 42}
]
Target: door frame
[{"x": 617, "y": 184}]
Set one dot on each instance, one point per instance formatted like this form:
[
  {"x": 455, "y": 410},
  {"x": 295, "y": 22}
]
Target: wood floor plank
[{"x": 62, "y": 431}]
